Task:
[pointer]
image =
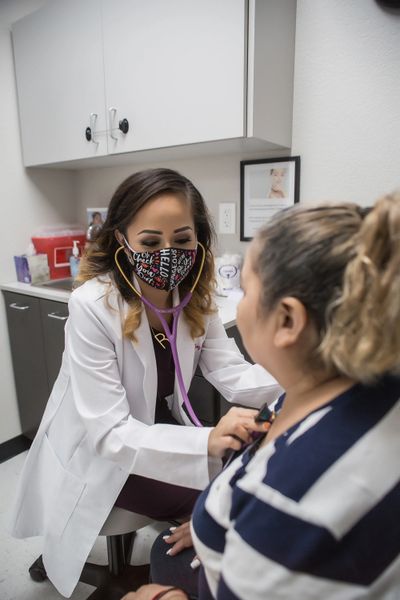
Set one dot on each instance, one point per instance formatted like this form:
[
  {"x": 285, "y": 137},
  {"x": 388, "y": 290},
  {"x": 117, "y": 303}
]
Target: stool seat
[{"x": 121, "y": 521}]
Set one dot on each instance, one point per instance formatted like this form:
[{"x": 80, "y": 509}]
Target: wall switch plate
[{"x": 227, "y": 217}]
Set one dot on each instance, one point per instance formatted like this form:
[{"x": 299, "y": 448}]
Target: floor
[{"x": 16, "y": 556}]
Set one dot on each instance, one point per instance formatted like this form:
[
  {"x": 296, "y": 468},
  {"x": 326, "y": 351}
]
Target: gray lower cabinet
[
  {"x": 204, "y": 399},
  {"x": 37, "y": 342},
  {"x": 233, "y": 332}
]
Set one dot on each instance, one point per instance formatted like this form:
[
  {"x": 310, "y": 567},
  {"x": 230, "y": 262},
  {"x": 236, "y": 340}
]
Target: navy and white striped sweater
[{"x": 315, "y": 514}]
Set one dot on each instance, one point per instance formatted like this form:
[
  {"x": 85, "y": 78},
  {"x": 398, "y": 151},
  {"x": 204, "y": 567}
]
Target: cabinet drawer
[{"x": 53, "y": 317}]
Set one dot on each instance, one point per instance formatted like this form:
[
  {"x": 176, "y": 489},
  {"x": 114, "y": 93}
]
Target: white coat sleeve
[
  {"x": 170, "y": 453},
  {"x": 225, "y": 368}
]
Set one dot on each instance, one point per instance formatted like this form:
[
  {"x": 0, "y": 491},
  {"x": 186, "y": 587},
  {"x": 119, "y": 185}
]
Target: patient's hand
[{"x": 180, "y": 538}]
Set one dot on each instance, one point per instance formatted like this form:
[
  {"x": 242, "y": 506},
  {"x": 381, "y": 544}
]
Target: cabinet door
[
  {"x": 175, "y": 69},
  {"x": 54, "y": 315},
  {"x": 204, "y": 399},
  {"x": 233, "y": 332},
  {"x": 59, "y": 71},
  {"x": 27, "y": 352}
]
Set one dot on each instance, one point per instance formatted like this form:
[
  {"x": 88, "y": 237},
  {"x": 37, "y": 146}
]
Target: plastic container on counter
[{"x": 57, "y": 243}]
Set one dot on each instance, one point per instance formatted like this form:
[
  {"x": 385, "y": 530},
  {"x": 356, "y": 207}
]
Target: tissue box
[{"x": 32, "y": 269}]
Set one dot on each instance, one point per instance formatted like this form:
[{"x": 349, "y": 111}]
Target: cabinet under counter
[{"x": 37, "y": 344}]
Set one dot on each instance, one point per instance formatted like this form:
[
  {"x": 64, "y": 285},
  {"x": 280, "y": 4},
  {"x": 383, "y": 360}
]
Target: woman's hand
[
  {"x": 148, "y": 592},
  {"x": 233, "y": 430},
  {"x": 180, "y": 538}
]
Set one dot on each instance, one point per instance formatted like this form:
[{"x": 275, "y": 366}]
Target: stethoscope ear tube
[{"x": 171, "y": 335}]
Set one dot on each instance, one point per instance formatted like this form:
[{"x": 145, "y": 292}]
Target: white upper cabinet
[
  {"x": 59, "y": 71},
  {"x": 104, "y": 77},
  {"x": 175, "y": 70}
]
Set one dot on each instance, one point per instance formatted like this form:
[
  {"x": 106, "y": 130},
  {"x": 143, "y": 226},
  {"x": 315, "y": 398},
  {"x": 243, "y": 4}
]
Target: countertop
[
  {"x": 226, "y": 305},
  {"x": 36, "y": 290}
]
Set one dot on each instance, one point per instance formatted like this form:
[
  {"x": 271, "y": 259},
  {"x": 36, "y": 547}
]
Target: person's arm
[{"x": 225, "y": 368}]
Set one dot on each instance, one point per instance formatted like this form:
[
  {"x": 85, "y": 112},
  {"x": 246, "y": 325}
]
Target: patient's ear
[{"x": 291, "y": 321}]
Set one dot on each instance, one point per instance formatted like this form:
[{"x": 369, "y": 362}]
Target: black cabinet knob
[
  {"x": 124, "y": 125},
  {"x": 88, "y": 134}
]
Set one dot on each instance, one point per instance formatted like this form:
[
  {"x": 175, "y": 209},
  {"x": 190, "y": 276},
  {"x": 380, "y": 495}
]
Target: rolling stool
[{"x": 118, "y": 577}]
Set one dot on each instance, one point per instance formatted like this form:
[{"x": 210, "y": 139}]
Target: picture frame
[
  {"x": 96, "y": 216},
  {"x": 266, "y": 186}
]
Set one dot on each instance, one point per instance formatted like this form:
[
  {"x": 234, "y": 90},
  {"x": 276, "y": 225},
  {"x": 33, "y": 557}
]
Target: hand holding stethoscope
[{"x": 236, "y": 428}]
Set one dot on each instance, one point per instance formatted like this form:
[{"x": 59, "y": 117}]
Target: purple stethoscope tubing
[{"x": 171, "y": 335}]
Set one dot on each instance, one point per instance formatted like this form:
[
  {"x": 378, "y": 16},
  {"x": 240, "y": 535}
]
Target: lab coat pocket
[{"x": 61, "y": 490}]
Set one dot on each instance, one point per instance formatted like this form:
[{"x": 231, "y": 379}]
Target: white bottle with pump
[{"x": 74, "y": 260}]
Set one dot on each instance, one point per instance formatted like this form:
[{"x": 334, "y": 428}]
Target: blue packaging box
[{"x": 22, "y": 269}]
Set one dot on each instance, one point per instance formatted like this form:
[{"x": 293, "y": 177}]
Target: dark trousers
[
  {"x": 156, "y": 499},
  {"x": 173, "y": 570}
]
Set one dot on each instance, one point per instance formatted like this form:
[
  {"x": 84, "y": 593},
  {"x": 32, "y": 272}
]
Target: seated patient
[{"x": 311, "y": 509}]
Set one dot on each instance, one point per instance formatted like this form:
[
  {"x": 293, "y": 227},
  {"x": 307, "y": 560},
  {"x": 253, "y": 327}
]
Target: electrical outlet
[{"x": 227, "y": 220}]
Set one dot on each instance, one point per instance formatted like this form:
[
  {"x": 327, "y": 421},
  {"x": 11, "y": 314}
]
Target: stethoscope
[{"x": 171, "y": 335}]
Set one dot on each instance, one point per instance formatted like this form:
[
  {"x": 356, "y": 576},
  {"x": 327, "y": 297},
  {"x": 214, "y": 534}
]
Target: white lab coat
[{"x": 98, "y": 426}]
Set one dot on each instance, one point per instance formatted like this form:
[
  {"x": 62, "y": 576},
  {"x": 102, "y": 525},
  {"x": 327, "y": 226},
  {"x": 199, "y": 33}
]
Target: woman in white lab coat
[{"x": 116, "y": 429}]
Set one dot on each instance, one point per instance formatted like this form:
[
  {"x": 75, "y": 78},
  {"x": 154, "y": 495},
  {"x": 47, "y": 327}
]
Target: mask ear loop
[
  {"x": 137, "y": 292},
  {"x": 203, "y": 258},
  {"x": 176, "y": 311}
]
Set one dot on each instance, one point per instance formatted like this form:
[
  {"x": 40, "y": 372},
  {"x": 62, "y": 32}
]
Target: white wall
[
  {"x": 347, "y": 100},
  {"x": 30, "y": 198},
  {"x": 217, "y": 178}
]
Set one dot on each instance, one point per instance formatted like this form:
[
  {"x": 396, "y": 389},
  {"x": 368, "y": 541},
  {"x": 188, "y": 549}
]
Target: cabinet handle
[
  {"x": 90, "y": 131},
  {"x": 124, "y": 126},
  {"x": 18, "y": 307},
  {"x": 54, "y": 315},
  {"x": 111, "y": 118}
]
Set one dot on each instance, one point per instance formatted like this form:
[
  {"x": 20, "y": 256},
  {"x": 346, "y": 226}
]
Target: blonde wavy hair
[
  {"x": 128, "y": 199},
  {"x": 343, "y": 263}
]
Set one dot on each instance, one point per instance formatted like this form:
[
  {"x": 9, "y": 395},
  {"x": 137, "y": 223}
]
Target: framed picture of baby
[{"x": 266, "y": 186}]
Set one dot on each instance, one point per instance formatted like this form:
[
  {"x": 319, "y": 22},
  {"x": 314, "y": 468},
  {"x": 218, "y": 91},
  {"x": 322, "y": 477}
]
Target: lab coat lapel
[
  {"x": 145, "y": 351},
  {"x": 185, "y": 346}
]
